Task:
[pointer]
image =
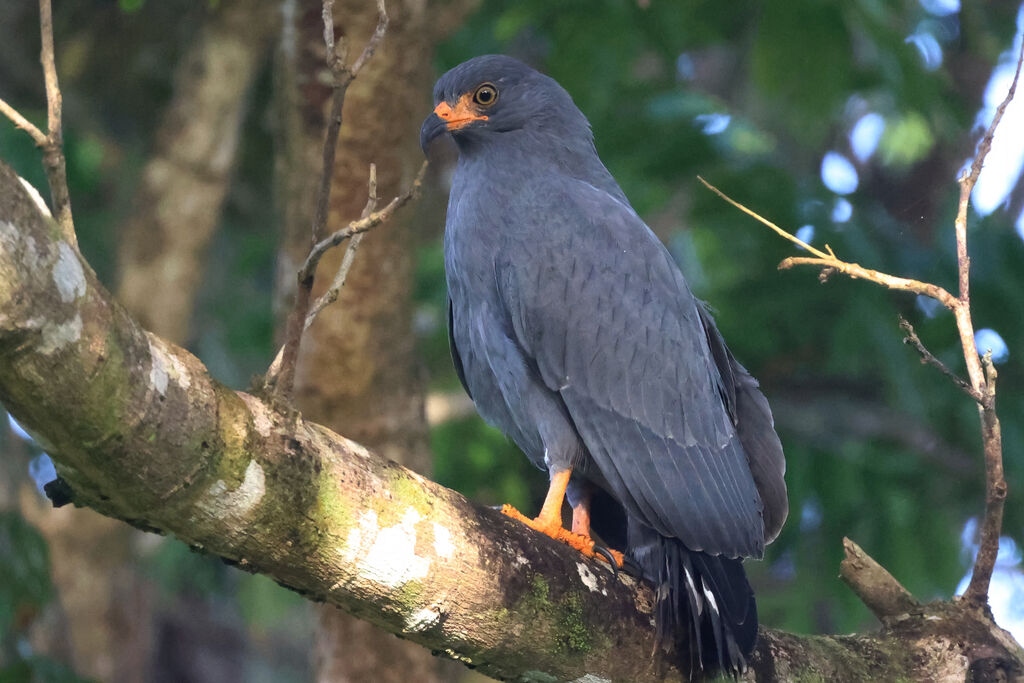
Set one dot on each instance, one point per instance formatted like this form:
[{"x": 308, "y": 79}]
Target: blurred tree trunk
[
  {"x": 178, "y": 203},
  {"x": 358, "y": 371},
  {"x": 106, "y": 602}
]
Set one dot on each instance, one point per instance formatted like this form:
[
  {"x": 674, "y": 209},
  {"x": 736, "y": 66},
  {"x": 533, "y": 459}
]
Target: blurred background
[{"x": 192, "y": 133}]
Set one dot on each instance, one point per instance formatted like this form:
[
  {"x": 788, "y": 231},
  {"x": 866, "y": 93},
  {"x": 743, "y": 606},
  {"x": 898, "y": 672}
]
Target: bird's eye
[{"x": 486, "y": 95}]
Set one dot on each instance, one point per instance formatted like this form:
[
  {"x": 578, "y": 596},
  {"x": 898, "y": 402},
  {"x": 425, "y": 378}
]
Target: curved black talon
[
  {"x": 631, "y": 568},
  {"x": 607, "y": 554}
]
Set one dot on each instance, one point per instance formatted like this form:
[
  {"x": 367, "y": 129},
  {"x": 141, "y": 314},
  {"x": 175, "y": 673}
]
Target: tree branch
[
  {"x": 178, "y": 201},
  {"x": 875, "y": 586},
  {"x": 984, "y": 395},
  {"x": 281, "y": 375},
  {"x": 140, "y": 431},
  {"x": 52, "y": 143},
  {"x": 991, "y": 433},
  {"x": 928, "y": 358}
]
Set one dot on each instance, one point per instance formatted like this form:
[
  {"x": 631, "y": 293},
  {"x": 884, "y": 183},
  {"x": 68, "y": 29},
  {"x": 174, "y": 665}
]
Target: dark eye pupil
[{"x": 485, "y": 95}]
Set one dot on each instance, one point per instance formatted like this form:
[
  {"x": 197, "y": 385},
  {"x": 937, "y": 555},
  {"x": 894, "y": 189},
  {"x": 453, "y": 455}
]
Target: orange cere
[{"x": 461, "y": 115}]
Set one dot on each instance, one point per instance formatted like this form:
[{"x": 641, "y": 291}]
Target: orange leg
[{"x": 549, "y": 521}]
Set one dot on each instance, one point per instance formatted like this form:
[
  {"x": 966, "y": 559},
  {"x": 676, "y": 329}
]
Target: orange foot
[{"x": 552, "y": 526}]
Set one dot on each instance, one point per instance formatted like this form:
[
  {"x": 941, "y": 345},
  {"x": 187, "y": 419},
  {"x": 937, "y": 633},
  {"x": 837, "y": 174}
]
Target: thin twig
[
  {"x": 21, "y": 122},
  {"x": 983, "y": 374},
  {"x": 53, "y": 151},
  {"x": 282, "y": 371},
  {"x": 371, "y": 45},
  {"x": 353, "y": 230},
  {"x": 52, "y": 143},
  {"x": 331, "y": 295},
  {"x": 859, "y": 272},
  {"x": 356, "y": 227},
  {"x": 792, "y": 238},
  {"x": 928, "y": 358},
  {"x": 830, "y": 262}
]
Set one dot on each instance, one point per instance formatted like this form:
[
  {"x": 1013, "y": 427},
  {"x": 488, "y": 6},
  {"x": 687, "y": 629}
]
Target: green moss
[
  {"x": 106, "y": 401},
  {"x": 813, "y": 677},
  {"x": 236, "y": 455},
  {"x": 332, "y": 507},
  {"x": 572, "y": 626},
  {"x": 409, "y": 595},
  {"x": 538, "y": 594},
  {"x": 572, "y": 635},
  {"x": 407, "y": 492}
]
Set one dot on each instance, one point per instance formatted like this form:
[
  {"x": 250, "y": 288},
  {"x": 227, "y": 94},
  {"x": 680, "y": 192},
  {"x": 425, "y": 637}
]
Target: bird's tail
[{"x": 704, "y": 604}]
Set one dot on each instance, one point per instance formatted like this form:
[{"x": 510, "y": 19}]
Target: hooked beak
[
  {"x": 447, "y": 117},
  {"x": 432, "y": 127}
]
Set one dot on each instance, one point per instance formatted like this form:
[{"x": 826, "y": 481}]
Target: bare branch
[
  {"x": 179, "y": 453},
  {"x": 54, "y": 100},
  {"x": 792, "y": 238},
  {"x": 53, "y": 150},
  {"x": 371, "y": 45},
  {"x": 331, "y": 295},
  {"x": 367, "y": 222},
  {"x": 52, "y": 142},
  {"x": 282, "y": 371},
  {"x": 929, "y": 359},
  {"x": 829, "y": 262},
  {"x": 977, "y": 388},
  {"x": 859, "y": 272},
  {"x": 992, "y": 440},
  {"x": 875, "y": 586},
  {"x": 21, "y": 122}
]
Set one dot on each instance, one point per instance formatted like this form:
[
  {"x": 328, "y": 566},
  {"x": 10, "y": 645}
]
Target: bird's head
[{"x": 494, "y": 94}]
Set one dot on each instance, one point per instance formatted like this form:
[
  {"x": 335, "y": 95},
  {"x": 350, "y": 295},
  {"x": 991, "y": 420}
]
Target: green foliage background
[{"x": 794, "y": 77}]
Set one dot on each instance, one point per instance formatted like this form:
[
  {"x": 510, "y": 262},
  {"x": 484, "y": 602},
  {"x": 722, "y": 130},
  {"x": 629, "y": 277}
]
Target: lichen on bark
[{"x": 275, "y": 494}]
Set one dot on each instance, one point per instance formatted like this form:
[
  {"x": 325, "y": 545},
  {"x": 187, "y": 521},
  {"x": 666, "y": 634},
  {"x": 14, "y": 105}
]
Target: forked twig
[
  {"x": 981, "y": 372},
  {"x": 280, "y": 376},
  {"x": 928, "y": 358},
  {"x": 52, "y": 142}
]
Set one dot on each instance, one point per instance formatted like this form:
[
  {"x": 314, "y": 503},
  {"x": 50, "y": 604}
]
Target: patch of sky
[
  {"x": 866, "y": 134},
  {"x": 1006, "y": 591},
  {"x": 838, "y": 173},
  {"x": 842, "y": 211},
  {"x": 987, "y": 339},
  {"x": 1005, "y": 160}
]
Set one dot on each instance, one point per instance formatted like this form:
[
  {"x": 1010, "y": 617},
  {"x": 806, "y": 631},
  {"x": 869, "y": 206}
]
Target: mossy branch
[{"x": 141, "y": 432}]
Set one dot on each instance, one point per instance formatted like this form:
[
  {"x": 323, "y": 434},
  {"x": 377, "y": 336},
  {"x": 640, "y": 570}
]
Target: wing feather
[{"x": 635, "y": 365}]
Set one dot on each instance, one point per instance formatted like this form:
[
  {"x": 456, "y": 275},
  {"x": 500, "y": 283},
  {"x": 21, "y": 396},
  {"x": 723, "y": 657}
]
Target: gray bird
[{"x": 575, "y": 334}]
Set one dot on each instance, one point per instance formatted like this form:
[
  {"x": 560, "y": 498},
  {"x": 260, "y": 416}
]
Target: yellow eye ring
[{"x": 486, "y": 94}]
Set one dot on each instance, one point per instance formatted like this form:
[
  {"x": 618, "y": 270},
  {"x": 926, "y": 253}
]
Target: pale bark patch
[
  {"x": 261, "y": 416},
  {"x": 589, "y": 579},
  {"x": 36, "y": 197},
  {"x": 166, "y": 366},
  {"x": 158, "y": 376},
  {"x": 443, "y": 545},
  {"x": 55, "y": 336},
  {"x": 422, "y": 619},
  {"x": 388, "y": 555},
  {"x": 237, "y": 504},
  {"x": 68, "y": 274}
]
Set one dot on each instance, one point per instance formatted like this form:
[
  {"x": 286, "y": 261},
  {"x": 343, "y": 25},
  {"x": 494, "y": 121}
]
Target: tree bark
[
  {"x": 107, "y": 603},
  {"x": 141, "y": 432},
  {"x": 358, "y": 372},
  {"x": 178, "y": 203}
]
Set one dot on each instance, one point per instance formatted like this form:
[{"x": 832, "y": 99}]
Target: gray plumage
[{"x": 575, "y": 334}]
